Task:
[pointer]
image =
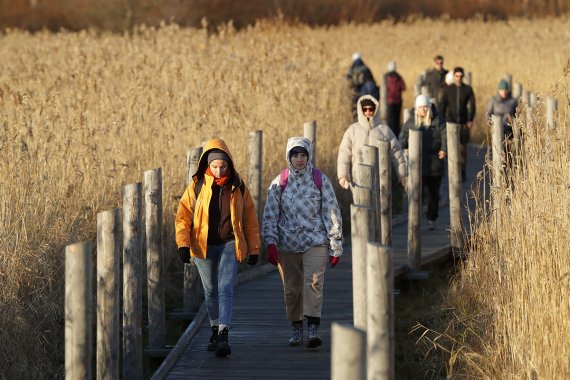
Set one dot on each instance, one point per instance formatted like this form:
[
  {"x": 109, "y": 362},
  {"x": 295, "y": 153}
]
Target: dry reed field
[{"x": 83, "y": 114}]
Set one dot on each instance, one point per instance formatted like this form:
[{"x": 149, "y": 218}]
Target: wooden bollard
[
  {"x": 551, "y": 108},
  {"x": 360, "y": 232},
  {"x": 255, "y": 168},
  {"x": 348, "y": 352},
  {"x": 155, "y": 277},
  {"x": 78, "y": 310},
  {"x": 517, "y": 90},
  {"x": 132, "y": 281},
  {"x": 380, "y": 312},
  {"x": 415, "y": 200},
  {"x": 468, "y": 78},
  {"x": 385, "y": 176},
  {"x": 364, "y": 195},
  {"x": 454, "y": 170},
  {"x": 528, "y": 109},
  {"x": 424, "y": 90},
  {"x": 108, "y": 277},
  {"x": 192, "y": 161},
  {"x": 310, "y": 132},
  {"x": 498, "y": 135},
  {"x": 408, "y": 113},
  {"x": 383, "y": 99},
  {"x": 370, "y": 157},
  {"x": 509, "y": 78}
]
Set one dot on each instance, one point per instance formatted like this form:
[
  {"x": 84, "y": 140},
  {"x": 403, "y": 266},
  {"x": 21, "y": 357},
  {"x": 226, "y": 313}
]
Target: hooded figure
[
  {"x": 367, "y": 131},
  {"x": 216, "y": 224},
  {"x": 302, "y": 229}
]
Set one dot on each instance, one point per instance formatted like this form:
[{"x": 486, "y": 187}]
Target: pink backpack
[{"x": 284, "y": 179}]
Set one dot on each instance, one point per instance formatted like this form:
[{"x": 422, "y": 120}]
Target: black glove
[
  {"x": 252, "y": 259},
  {"x": 184, "y": 253}
]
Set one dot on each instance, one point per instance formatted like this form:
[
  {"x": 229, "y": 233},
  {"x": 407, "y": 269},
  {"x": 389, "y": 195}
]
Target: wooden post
[
  {"x": 310, "y": 132},
  {"x": 192, "y": 161},
  {"x": 408, "y": 114},
  {"x": 255, "y": 168},
  {"x": 155, "y": 278},
  {"x": 517, "y": 90},
  {"x": 78, "y": 310},
  {"x": 385, "y": 192},
  {"x": 359, "y": 218},
  {"x": 383, "y": 99},
  {"x": 528, "y": 110},
  {"x": 348, "y": 353},
  {"x": 415, "y": 200},
  {"x": 551, "y": 107},
  {"x": 468, "y": 78},
  {"x": 363, "y": 195},
  {"x": 424, "y": 90},
  {"x": 380, "y": 312},
  {"x": 370, "y": 157},
  {"x": 498, "y": 136},
  {"x": 108, "y": 282},
  {"x": 132, "y": 281},
  {"x": 454, "y": 170},
  {"x": 509, "y": 78}
]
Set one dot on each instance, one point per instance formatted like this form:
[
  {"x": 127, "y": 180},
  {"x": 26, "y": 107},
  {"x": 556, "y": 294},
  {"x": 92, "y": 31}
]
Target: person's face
[
  {"x": 458, "y": 77},
  {"x": 368, "y": 110},
  {"x": 219, "y": 168},
  {"x": 438, "y": 64},
  {"x": 423, "y": 111},
  {"x": 299, "y": 160},
  {"x": 503, "y": 93}
]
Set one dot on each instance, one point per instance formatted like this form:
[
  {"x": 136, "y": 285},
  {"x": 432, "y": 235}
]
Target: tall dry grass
[{"x": 82, "y": 114}]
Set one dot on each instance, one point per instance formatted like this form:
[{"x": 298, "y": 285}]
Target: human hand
[
  {"x": 404, "y": 183},
  {"x": 252, "y": 259},
  {"x": 184, "y": 253},
  {"x": 344, "y": 183},
  {"x": 469, "y": 124},
  {"x": 441, "y": 154},
  {"x": 272, "y": 254},
  {"x": 334, "y": 260}
]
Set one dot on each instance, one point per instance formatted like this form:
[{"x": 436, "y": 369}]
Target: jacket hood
[
  {"x": 303, "y": 142},
  {"x": 363, "y": 120},
  {"x": 218, "y": 144}
]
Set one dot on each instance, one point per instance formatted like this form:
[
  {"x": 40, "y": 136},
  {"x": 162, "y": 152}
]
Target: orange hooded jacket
[{"x": 192, "y": 216}]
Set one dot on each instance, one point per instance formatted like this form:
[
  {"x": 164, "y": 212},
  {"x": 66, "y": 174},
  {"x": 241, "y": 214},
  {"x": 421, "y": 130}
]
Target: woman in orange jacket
[{"x": 216, "y": 225}]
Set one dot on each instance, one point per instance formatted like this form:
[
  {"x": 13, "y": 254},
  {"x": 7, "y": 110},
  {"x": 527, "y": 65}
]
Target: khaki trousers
[{"x": 303, "y": 276}]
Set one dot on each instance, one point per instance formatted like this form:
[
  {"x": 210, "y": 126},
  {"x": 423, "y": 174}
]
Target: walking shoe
[
  {"x": 213, "y": 344},
  {"x": 223, "y": 349},
  {"x": 314, "y": 338},
  {"x": 297, "y": 336},
  {"x": 431, "y": 224}
]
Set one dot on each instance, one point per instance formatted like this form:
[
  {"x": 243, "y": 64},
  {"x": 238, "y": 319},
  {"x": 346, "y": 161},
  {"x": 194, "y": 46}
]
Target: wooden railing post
[
  {"x": 310, "y": 132},
  {"x": 348, "y": 353},
  {"x": 370, "y": 157},
  {"x": 415, "y": 200},
  {"x": 385, "y": 176},
  {"x": 454, "y": 170},
  {"x": 192, "y": 161},
  {"x": 498, "y": 135},
  {"x": 78, "y": 310},
  {"x": 517, "y": 91},
  {"x": 132, "y": 281},
  {"x": 363, "y": 195},
  {"x": 509, "y": 78},
  {"x": 380, "y": 312},
  {"x": 360, "y": 231},
  {"x": 255, "y": 168},
  {"x": 408, "y": 113},
  {"x": 155, "y": 278},
  {"x": 108, "y": 282}
]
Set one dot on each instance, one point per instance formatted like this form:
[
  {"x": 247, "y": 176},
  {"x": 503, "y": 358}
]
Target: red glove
[
  {"x": 334, "y": 260},
  {"x": 272, "y": 254}
]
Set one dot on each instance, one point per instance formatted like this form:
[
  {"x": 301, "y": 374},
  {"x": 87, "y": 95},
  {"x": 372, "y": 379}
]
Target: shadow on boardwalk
[{"x": 260, "y": 330}]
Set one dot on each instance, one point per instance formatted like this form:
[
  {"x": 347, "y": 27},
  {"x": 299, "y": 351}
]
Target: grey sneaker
[
  {"x": 314, "y": 338},
  {"x": 297, "y": 336}
]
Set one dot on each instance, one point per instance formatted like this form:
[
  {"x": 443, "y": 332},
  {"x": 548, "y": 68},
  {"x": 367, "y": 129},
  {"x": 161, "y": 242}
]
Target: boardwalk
[{"x": 260, "y": 330}]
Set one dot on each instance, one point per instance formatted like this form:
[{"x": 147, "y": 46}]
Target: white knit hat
[
  {"x": 392, "y": 66},
  {"x": 422, "y": 101},
  {"x": 355, "y": 56}
]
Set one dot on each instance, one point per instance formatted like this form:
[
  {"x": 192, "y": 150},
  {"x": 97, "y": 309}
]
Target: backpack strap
[
  {"x": 318, "y": 178},
  {"x": 198, "y": 187},
  {"x": 284, "y": 179}
]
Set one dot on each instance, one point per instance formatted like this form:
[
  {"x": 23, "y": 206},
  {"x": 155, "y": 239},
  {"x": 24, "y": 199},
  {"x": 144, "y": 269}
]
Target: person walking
[
  {"x": 216, "y": 224},
  {"x": 361, "y": 81},
  {"x": 434, "y": 78},
  {"x": 503, "y": 105},
  {"x": 434, "y": 150},
  {"x": 302, "y": 230},
  {"x": 395, "y": 85},
  {"x": 367, "y": 131},
  {"x": 458, "y": 106}
]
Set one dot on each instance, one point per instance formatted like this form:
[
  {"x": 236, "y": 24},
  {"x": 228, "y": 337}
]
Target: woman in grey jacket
[{"x": 302, "y": 229}]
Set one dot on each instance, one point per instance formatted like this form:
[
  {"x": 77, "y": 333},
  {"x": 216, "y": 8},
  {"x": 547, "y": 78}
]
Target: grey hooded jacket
[
  {"x": 301, "y": 216},
  {"x": 367, "y": 131}
]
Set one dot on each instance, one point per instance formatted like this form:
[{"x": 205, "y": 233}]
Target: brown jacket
[{"x": 192, "y": 216}]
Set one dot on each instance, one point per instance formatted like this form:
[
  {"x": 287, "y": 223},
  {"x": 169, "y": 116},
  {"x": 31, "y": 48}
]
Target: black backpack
[{"x": 201, "y": 181}]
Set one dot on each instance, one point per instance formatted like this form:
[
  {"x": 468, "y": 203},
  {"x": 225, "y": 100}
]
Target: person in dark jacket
[
  {"x": 504, "y": 106},
  {"x": 395, "y": 85},
  {"x": 458, "y": 106},
  {"x": 434, "y": 150},
  {"x": 361, "y": 81},
  {"x": 435, "y": 77}
]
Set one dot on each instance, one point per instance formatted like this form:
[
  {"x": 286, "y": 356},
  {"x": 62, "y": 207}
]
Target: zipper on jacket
[
  {"x": 220, "y": 208},
  {"x": 457, "y": 104}
]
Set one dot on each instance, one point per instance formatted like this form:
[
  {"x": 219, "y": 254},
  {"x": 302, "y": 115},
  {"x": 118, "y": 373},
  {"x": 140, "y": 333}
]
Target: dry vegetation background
[{"x": 83, "y": 114}]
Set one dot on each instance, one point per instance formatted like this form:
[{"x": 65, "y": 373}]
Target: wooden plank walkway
[{"x": 260, "y": 330}]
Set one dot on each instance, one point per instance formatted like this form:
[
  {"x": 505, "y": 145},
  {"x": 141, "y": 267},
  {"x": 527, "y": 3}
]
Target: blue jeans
[{"x": 218, "y": 272}]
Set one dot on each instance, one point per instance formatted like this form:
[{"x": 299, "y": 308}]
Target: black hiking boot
[
  {"x": 314, "y": 338},
  {"x": 213, "y": 343},
  {"x": 223, "y": 349}
]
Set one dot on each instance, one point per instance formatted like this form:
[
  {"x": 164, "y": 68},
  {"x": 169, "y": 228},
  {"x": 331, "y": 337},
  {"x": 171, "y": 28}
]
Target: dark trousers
[
  {"x": 393, "y": 117},
  {"x": 432, "y": 185}
]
